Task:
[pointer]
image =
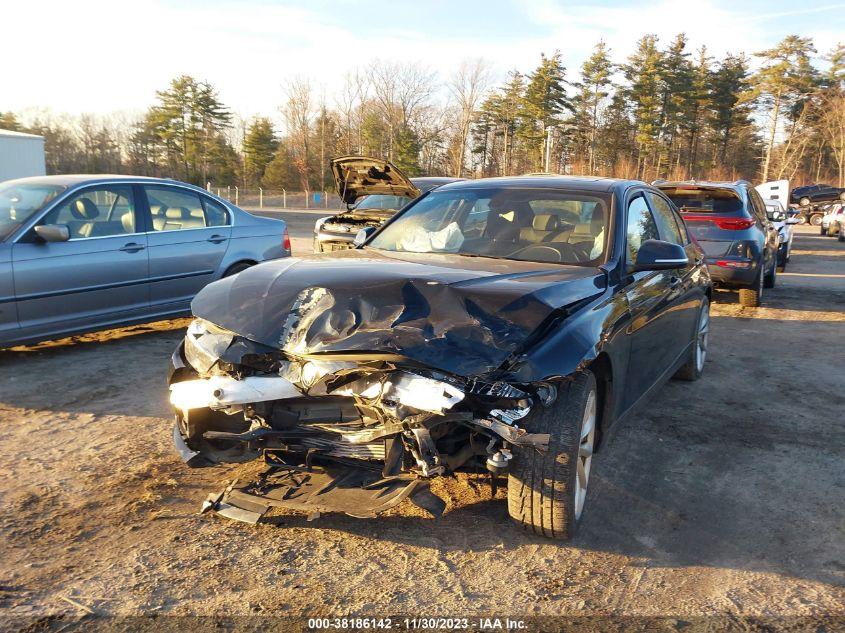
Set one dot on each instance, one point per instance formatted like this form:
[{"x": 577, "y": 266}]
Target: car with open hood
[
  {"x": 373, "y": 191},
  {"x": 504, "y": 325}
]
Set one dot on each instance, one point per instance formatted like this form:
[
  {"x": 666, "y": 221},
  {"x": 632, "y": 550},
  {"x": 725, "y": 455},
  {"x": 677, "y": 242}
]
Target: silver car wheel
[{"x": 585, "y": 453}]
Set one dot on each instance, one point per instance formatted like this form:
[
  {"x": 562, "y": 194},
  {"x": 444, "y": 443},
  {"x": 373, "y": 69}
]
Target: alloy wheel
[{"x": 585, "y": 453}]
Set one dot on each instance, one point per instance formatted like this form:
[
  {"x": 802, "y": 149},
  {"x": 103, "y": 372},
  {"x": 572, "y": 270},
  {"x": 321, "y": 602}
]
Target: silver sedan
[{"x": 82, "y": 253}]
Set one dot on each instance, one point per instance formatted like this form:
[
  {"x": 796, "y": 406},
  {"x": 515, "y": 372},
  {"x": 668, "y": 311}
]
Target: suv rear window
[{"x": 721, "y": 201}]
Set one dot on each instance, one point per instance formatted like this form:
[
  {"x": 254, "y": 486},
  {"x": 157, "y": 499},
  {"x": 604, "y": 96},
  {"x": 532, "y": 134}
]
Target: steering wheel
[{"x": 541, "y": 248}]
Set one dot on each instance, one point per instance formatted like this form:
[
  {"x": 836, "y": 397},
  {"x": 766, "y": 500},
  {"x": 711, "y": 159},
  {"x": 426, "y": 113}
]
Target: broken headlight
[{"x": 204, "y": 344}]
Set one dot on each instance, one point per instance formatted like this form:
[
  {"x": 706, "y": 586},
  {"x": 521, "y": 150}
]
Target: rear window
[{"x": 721, "y": 201}]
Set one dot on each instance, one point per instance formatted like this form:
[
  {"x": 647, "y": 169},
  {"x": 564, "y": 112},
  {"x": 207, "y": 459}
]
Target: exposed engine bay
[{"x": 355, "y": 433}]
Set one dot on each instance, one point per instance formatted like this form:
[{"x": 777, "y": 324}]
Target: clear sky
[{"x": 103, "y": 56}]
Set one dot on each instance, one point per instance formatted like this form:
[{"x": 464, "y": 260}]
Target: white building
[{"x": 21, "y": 155}]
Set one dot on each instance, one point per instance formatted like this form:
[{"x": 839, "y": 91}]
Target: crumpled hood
[{"x": 462, "y": 315}]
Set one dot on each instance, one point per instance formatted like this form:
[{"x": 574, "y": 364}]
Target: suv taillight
[
  {"x": 286, "y": 241},
  {"x": 727, "y": 223}
]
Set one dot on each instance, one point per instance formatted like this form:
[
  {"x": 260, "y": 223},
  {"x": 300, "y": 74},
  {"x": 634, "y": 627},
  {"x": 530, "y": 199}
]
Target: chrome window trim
[{"x": 74, "y": 189}]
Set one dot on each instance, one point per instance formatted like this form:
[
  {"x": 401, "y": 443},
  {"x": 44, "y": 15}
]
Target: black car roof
[
  {"x": 427, "y": 183},
  {"x": 546, "y": 181}
]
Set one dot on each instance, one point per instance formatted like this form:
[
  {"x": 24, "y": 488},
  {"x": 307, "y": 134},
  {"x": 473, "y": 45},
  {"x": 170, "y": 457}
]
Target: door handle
[
  {"x": 216, "y": 239},
  {"x": 133, "y": 247}
]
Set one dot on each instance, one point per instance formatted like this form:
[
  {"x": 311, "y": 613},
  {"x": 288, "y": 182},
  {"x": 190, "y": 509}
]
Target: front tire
[
  {"x": 547, "y": 489},
  {"x": 816, "y": 219},
  {"x": 804, "y": 202},
  {"x": 694, "y": 367}
]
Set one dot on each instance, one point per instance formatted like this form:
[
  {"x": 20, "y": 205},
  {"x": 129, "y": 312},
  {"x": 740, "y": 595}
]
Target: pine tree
[
  {"x": 729, "y": 108},
  {"x": 545, "y": 101},
  {"x": 259, "y": 147},
  {"x": 676, "y": 81},
  {"x": 594, "y": 89},
  {"x": 643, "y": 73}
]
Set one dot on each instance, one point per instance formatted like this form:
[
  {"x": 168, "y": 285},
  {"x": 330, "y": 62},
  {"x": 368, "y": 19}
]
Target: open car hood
[
  {"x": 462, "y": 315},
  {"x": 359, "y": 176}
]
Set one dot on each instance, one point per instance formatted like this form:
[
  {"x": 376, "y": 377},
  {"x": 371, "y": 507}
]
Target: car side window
[
  {"x": 96, "y": 212},
  {"x": 665, "y": 218},
  {"x": 758, "y": 209},
  {"x": 174, "y": 209},
  {"x": 640, "y": 227},
  {"x": 215, "y": 213}
]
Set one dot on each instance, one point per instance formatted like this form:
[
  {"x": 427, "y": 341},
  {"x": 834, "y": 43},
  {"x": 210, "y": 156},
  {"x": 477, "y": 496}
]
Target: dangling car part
[{"x": 495, "y": 326}]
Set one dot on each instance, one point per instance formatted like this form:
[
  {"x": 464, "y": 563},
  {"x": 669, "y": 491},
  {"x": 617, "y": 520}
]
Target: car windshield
[
  {"x": 381, "y": 202},
  {"x": 704, "y": 200},
  {"x": 19, "y": 202},
  {"x": 545, "y": 225}
]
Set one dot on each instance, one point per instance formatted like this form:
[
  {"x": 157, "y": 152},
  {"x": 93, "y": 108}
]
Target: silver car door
[
  {"x": 96, "y": 278},
  {"x": 188, "y": 240},
  {"x": 8, "y": 310}
]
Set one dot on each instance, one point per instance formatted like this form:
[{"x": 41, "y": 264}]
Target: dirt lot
[{"x": 726, "y": 496}]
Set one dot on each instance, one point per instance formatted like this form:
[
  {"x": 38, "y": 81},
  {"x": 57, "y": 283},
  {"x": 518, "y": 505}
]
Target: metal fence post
[
  {"x": 236, "y": 194},
  {"x": 260, "y": 198},
  {"x": 228, "y": 192},
  {"x": 218, "y": 192},
  {"x": 284, "y": 199},
  {"x": 326, "y": 199},
  {"x": 208, "y": 186},
  {"x": 306, "y": 198}
]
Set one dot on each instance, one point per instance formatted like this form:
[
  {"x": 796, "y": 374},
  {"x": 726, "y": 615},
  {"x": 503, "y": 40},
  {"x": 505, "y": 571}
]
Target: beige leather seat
[
  {"x": 84, "y": 213},
  {"x": 544, "y": 228},
  {"x": 177, "y": 218}
]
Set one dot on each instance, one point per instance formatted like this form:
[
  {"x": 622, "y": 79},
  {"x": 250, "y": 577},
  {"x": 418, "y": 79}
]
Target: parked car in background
[
  {"x": 391, "y": 191},
  {"x": 81, "y": 253},
  {"x": 783, "y": 225},
  {"x": 501, "y": 324},
  {"x": 816, "y": 194},
  {"x": 729, "y": 221},
  {"x": 830, "y": 220}
]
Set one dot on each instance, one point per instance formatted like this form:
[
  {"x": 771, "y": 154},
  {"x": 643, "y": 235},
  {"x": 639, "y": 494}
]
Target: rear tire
[
  {"x": 750, "y": 297},
  {"x": 237, "y": 268},
  {"x": 804, "y": 202},
  {"x": 694, "y": 367},
  {"x": 816, "y": 219},
  {"x": 547, "y": 489},
  {"x": 823, "y": 231}
]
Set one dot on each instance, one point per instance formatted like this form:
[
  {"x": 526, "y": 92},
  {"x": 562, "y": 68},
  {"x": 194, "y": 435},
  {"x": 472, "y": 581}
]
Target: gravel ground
[{"x": 723, "y": 498}]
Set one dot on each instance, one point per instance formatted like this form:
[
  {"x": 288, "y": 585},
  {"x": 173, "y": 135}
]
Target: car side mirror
[
  {"x": 363, "y": 235},
  {"x": 660, "y": 255},
  {"x": 53, "y": 232}
]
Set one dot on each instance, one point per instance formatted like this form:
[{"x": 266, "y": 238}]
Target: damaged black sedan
[{"x": 500, "y": 324}]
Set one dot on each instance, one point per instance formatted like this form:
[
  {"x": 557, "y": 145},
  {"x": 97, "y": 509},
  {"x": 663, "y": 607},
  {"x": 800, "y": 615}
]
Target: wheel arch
[{"x": 602, "y": 369}]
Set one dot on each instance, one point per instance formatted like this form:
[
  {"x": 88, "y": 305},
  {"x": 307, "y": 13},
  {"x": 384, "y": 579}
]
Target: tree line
[{"x": 663, "y": 112}]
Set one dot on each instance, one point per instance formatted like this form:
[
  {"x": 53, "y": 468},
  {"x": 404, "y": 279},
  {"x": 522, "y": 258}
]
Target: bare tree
[
  {"x": 467, "y": 87},
  {"x": 299, "y": 112},
  {"x": 400, "y": 92}
]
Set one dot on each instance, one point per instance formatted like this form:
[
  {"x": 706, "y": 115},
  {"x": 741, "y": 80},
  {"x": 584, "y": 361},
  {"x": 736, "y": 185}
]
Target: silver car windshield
[
  {"x": 19, "y": 202},
  {"x": 545, "y": 225}
]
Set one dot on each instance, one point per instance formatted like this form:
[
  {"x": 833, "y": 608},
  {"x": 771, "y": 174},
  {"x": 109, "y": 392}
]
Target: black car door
[
  {"x": 685, "y": 295},
  {"x": 648, "y": 295}
]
